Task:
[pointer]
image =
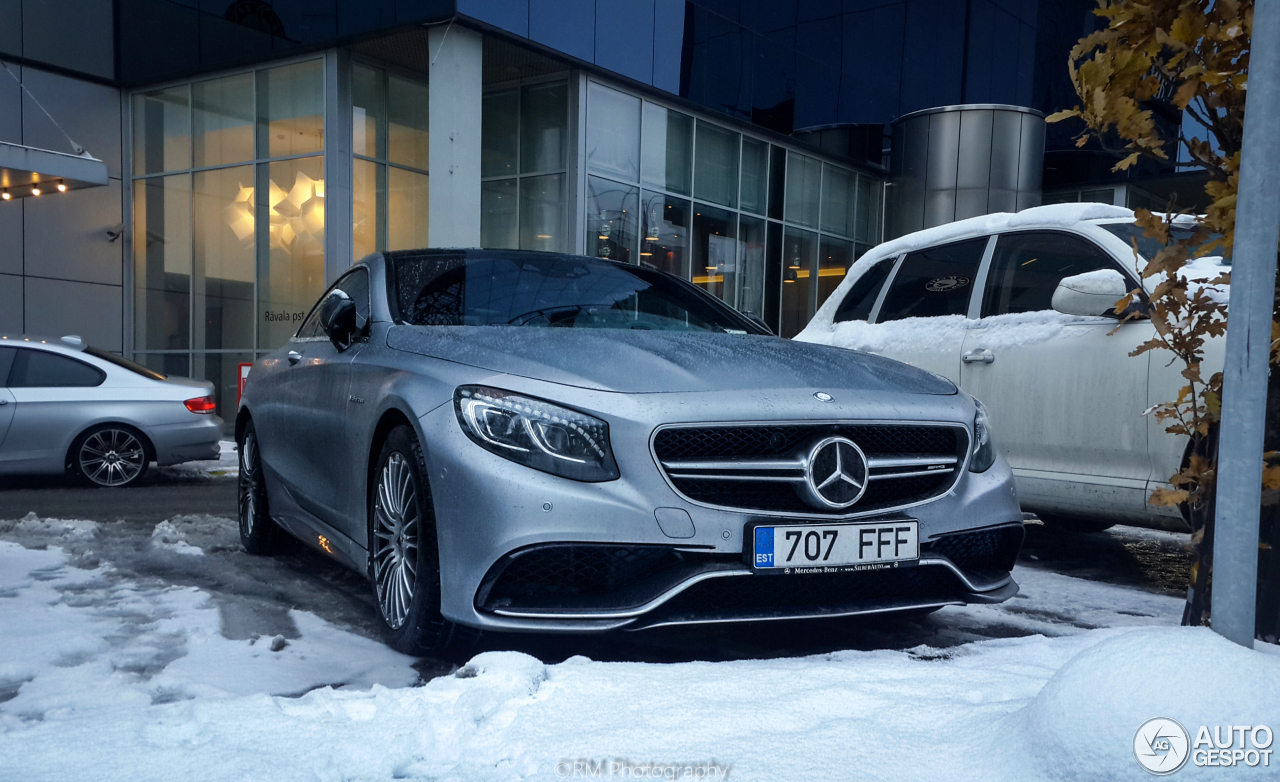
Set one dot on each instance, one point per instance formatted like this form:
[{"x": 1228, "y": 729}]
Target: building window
[
  {"x": 523, "y": 165},
  {"x": 643, "y": 162},
  {"x": 228, "y": 219},
  {"x": 390, "y": 180}
]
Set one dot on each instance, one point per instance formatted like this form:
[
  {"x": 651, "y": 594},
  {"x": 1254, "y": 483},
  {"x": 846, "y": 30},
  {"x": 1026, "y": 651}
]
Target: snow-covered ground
[{"x": 163, "y": 652}]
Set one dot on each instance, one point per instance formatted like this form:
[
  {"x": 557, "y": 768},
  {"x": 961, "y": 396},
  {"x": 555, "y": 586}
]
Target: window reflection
[
  {"x": 162, "y": 262},
  {"x": 543, "y": 119},
  {"x": 542, "y": 213},
  {"x": 611, "y": 220},
  {"x": 499, "y": 133},
  {"x": 750, "y": 283},
  {"x": 804, "y": 176},
  {"x": 408, "y": 134},
  {"x": 161, "y": 131},
  {"x": 664, "y": 236},
  {"x": 613, "y": 133},
  {"x": 838, "y": 196},
  {"x": 716, "y": 165},
  {"x": 755, "y": 175},
  {"x": 368, "y": 111},
  {"x": 223, "y": 261},
  {"x": 291, "y": 109},
  {"x": 499, "y": 215},
  {"x": 834, "y": 258},
  {"x": 715, "y": 251},
  {"x": 668, "y": 149},
  {"x": 798, "y": 252},
  {"x": 407, "y": 209},
  {"x": 368, "y": 193},
  {"x": 291, "y": 260},
  {"x": 222, "y": 121}
]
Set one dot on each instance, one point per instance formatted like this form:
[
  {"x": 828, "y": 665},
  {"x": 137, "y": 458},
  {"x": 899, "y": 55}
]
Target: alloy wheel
[
  {"x": 112, "y": 457},
  {"x": 248, "y": 482},
  {"x": 395, "y": 540}
]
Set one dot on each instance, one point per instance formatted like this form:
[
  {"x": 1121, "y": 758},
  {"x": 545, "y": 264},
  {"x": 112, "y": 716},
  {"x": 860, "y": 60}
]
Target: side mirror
[
  {"x": 1091, "y": 294},
  {"x": 338, "y": 319}
]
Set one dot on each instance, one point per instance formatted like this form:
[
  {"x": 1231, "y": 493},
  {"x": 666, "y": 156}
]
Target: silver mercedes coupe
[{"x": 525, "y": 441}]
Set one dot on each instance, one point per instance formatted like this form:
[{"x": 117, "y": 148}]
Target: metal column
[{"x": 1235, "y": 557}]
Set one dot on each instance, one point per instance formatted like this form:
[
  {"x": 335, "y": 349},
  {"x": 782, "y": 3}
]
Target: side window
[
  {"x": 41, "y": 369},
  {"x": 356, "y": 285},
  {"x": 933, "y": 282},
  {"x": 1027, "y": 267},
  {"x": 6, "y": 361},
  {"x": 862, "y": 296}
]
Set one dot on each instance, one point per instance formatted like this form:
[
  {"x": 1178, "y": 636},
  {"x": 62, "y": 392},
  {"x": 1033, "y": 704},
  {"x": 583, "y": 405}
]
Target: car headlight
[
  {"x": 984, "y": 451},
  {"x": 536, "y": 434}
]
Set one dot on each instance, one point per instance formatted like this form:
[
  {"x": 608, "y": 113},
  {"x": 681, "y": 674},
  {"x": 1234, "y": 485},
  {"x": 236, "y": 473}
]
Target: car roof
[{"x": 68, "y": 344}]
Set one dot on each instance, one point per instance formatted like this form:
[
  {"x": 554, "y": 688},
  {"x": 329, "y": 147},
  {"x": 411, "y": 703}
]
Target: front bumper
[{"x": 515, "y": 543}]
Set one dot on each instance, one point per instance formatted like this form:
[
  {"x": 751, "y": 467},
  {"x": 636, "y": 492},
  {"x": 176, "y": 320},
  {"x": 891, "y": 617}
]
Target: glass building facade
[
  {"x": 257, "y": 147},
  {"x": 230, "y": 182}
]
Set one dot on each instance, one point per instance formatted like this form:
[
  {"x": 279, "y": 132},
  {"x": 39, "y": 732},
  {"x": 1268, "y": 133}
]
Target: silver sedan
[
  {"x": 69, "y": 407},
  {"x": 537, "y": 442}
]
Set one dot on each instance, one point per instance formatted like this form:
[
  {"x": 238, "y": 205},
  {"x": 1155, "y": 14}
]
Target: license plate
[{"x": 836, "y": 548}]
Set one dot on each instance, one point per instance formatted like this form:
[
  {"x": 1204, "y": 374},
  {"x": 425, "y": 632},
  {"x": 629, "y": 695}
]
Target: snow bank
[
  {"x": 1192, "y": 675},
  {"x": 105, "y": 676}
]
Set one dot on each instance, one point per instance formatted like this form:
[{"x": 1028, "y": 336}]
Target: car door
[
  {"x": 1065, "y": 398},
  {"x": 7, "y": 402},
  {"x": 923, "y": 313},
  {"x": 53, "y": 396},
  {"x": 316, "y": 389}
]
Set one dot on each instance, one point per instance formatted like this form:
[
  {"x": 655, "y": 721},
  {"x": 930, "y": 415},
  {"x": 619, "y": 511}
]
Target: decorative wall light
[{"x": 295, "y": 216}]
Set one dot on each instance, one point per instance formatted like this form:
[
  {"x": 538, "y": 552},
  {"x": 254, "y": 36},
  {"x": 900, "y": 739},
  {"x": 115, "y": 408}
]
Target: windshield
[
  {"x": 124, "y": 363},
  {"x": 553, "y": 291},
  {"x": 1148, "y": 247}
]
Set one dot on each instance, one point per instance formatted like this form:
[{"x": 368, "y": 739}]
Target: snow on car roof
[{"x": 1051, "y": 216}]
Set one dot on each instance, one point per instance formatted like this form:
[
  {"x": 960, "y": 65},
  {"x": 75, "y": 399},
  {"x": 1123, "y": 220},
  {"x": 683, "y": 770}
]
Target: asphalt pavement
[{"x": 160, "y": 495}]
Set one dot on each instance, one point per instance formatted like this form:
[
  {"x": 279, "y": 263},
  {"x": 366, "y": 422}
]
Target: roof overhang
[{"x": 22, "y": 168}]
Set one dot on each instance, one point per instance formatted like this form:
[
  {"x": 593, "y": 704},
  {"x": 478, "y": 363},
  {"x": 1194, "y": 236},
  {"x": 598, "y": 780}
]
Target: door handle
[
  {"x": 982, "y": 356},
  {"x": 294, "y": 357},
  {"x": 3, "y": 402}
]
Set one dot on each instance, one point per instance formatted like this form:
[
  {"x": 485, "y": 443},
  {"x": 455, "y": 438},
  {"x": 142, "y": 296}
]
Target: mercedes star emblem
[{"x": 835, "y": 474}]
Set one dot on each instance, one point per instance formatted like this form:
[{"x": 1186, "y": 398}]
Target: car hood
[{"x": 629, "y": 361}]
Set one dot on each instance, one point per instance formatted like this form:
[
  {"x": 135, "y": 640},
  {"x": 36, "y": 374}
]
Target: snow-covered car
[
  {"x": 537, "y": 442},
  {"x": 1018, "y": 310},
  {"x": 69, "y": 407}
]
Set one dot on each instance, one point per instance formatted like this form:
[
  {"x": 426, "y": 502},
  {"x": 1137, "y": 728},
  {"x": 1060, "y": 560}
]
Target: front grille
[
  {"x": 991, "y": 551},
  {"x": 758, "y": 468},
  {"x": 738, "y": 442},
  {"x": 809, "y": 595}
]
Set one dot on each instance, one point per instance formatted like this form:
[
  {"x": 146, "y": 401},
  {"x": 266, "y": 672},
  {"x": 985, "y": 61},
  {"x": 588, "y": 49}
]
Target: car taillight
[{"x": 201, "y": 404}]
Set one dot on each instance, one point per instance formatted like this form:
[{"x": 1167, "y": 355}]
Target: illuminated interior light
[
  {"x": 35, "y": 191},
  {"x": 5, "y": 195},
  {"x": 62, "y": 186}
]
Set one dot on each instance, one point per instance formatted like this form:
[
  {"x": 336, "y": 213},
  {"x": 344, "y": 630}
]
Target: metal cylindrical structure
[
  {"x": 954, "y": 162},
  {"x": 1244, "y": 376}
]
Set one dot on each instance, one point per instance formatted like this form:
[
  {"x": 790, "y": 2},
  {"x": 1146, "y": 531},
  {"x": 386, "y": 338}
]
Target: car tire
[
  {"x": 404, "y": 556},
  {"x": 258, "y": 533},
  {"x": 1075, "y": 524},
  {"x": 110, "y": 456}
]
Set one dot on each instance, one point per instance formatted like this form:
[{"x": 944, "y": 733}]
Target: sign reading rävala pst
[{"x": 284, "y": 316}]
